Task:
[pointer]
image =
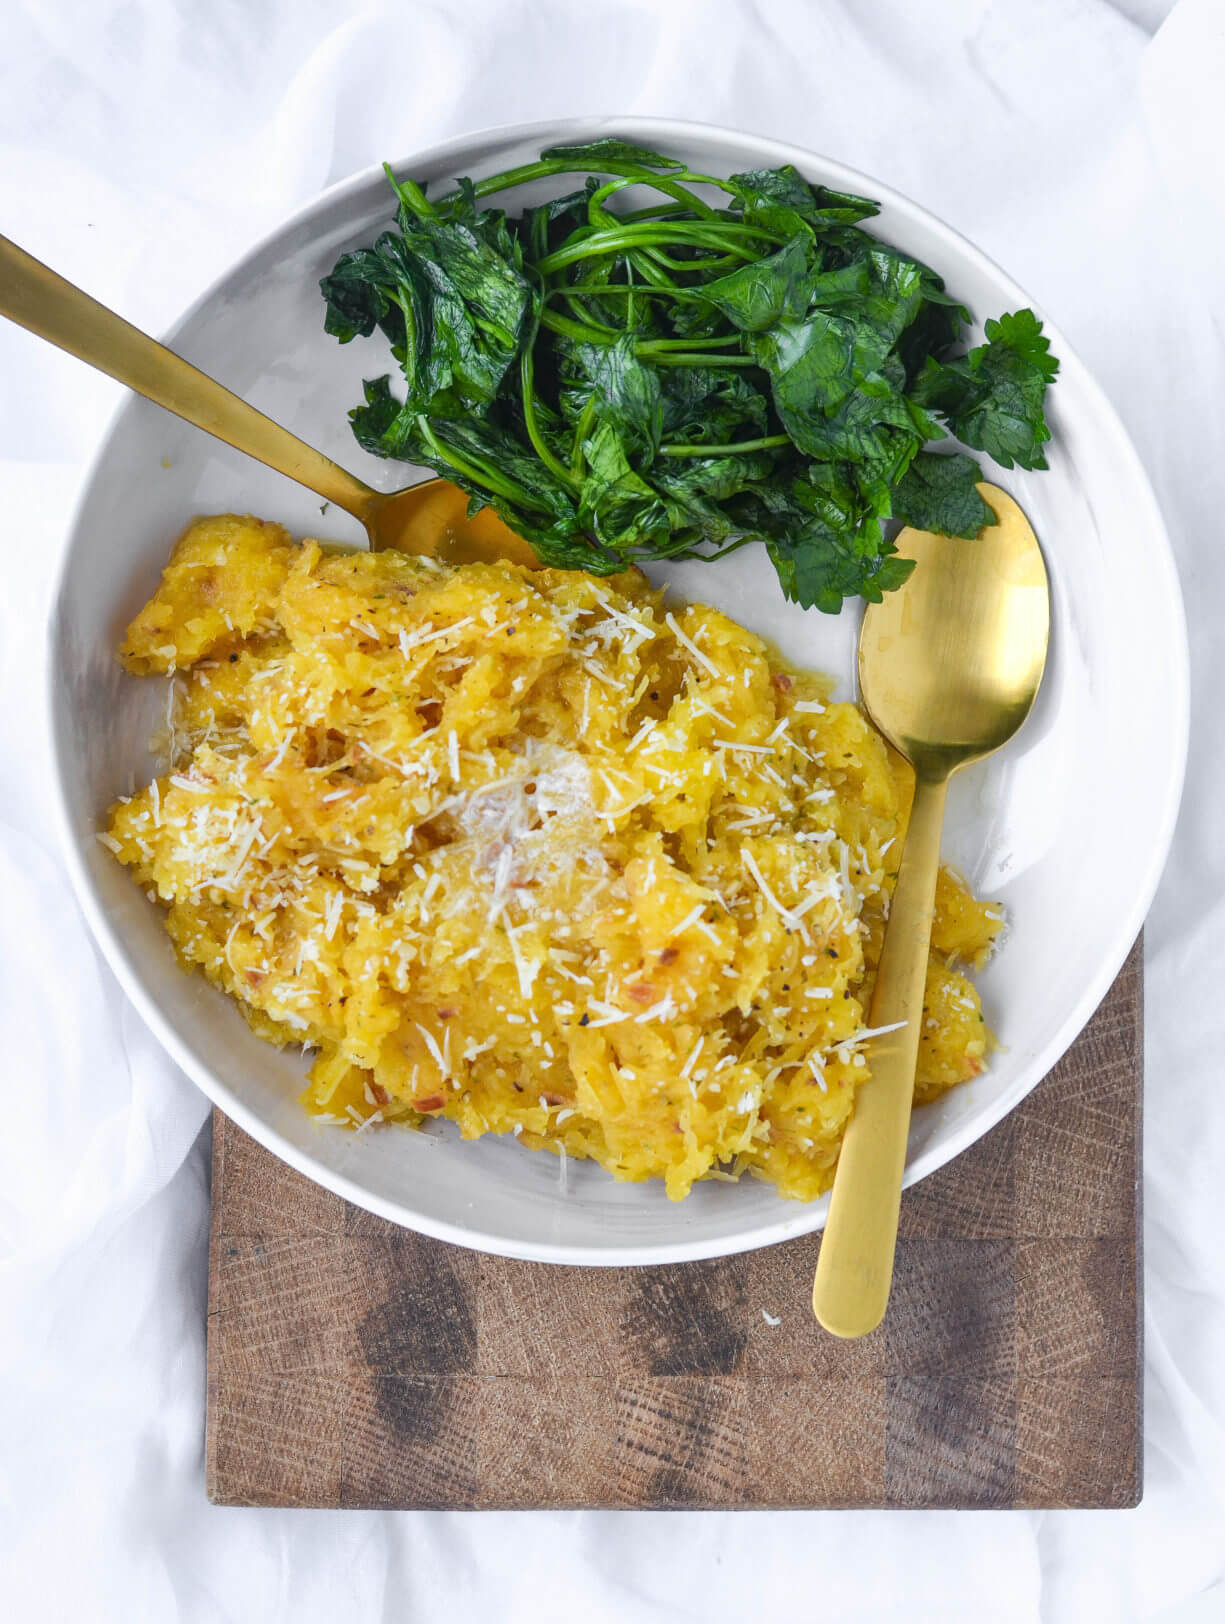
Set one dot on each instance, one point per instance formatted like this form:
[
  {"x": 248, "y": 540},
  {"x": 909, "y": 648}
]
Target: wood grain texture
[{"x": 351, "y": 1363}]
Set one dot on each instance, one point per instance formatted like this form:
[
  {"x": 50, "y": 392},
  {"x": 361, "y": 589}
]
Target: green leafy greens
[{"x": 676, "y": 377}]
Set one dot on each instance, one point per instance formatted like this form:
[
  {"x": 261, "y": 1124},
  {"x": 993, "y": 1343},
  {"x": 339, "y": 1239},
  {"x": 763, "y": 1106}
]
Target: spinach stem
[
  {"x": 598, "y": 215},
  {"x": 411, "y": 195},
  {"x": 583, "y": 315},
  {"x": 540, "y": 235},
  {"x": 530, "y": 420},
  {"x": 585, "y": 333},
  {"x": 544, "y": 167},
  {"x": 664, "y": 351},
  {"x": 651, "y": 276},
  {"x": 654, "y": 290},
  {"x": 687, "y": 360},
  {"x": 582, "y": 430},
  {"x": 672, "y": 211},
  {"x": 714, "y": 263},
  {"x": 477, "y": 469},
  {"x": 659, "y": 346},
  {"x": 723, "y": 235},
  {"x": 662, "y": 211},
  {"x": 766, "y": 443}
]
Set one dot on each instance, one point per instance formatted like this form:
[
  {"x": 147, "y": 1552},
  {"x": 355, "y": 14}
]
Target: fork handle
[
  {"x": 855, "y": 1264},
  {"x": 32, "y": 295}
]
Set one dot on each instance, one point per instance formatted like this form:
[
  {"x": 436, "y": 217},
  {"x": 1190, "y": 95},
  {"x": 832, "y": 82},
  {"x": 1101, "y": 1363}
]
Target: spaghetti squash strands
[{"x": 526, "y": 851}]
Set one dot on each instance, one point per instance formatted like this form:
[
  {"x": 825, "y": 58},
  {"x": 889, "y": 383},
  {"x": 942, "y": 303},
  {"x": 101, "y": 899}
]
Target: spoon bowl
[
  {"x": 949, "y": 668},
  {"x": 432, "y": 519},
  {"x": 949, "y": 665}
]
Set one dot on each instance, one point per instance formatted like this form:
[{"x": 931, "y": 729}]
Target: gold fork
[{"x": 430, "y": 517}]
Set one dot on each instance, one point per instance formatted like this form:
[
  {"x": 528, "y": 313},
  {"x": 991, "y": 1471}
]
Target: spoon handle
[
  {"x": 855, "y": 1265},
  {"x": 36, "y": 298}
]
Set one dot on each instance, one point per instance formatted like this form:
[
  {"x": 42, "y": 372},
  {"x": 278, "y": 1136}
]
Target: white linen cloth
[{"x": 143, "y": 145}]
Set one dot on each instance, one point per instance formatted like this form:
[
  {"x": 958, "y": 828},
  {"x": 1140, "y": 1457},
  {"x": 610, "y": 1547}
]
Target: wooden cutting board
[{"x": 351, "y": 1363}]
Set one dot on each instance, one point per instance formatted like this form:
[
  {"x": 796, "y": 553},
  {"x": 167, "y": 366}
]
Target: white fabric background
[{"x": 143, "y": 145}]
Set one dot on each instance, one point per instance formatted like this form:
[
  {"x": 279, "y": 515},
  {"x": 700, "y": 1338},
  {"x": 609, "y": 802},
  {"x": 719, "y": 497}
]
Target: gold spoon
[
  {"x": 430, "y": 517},
  {"x": 949, "y": 666}
]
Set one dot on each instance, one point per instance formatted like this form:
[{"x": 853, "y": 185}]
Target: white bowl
[{"x": 1070, "y": 826}]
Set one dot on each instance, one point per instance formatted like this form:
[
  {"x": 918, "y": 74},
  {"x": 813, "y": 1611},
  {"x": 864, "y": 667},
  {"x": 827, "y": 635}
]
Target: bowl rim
[{"x": 794, "y": 1219}]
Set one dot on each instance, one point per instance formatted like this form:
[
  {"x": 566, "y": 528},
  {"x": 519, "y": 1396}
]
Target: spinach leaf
[
  {"x": 621, "y": 389},
  {"x": 759, "y": 294},
  {"x": 819, "y": 566},
  {"x": 810, "y": 364},
  {"x": 451, "y": 299},
  {"x": 617, "y": 506},
  {"x": 993, "y": 397},
  {"x": 699, "y": 492},
  {"x": 713, "y": 405},
  {"x": 359, "y": 294},
  {"x": 384, "y": 425},
  {"x": 778, "y": 196},
  {"x": 938, "y": 493}
]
